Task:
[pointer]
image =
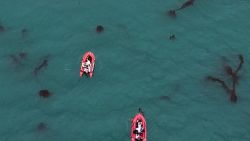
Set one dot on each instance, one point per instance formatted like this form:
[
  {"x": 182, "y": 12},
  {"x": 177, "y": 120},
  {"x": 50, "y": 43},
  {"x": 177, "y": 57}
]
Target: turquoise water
[{"x": 136, "y": 65}]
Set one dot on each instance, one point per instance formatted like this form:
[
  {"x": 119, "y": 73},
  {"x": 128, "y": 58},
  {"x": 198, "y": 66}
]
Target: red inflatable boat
[
  {"x": 139, "y": 128},
  {"x": 88, "y": 55}
]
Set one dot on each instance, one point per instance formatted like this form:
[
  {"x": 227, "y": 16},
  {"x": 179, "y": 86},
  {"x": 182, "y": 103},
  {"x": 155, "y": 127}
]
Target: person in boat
[
  {"x": 86, "y": 65},
  {"x": 138, "y": 131},
  {"x": 139, "y": 127},
  {"x": 138, "y": 137}
]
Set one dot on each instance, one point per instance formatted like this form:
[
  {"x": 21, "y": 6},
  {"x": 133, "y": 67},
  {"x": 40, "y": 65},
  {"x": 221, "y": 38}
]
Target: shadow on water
[
  {"x": 42, "y": 127},
  {"x": 18, "y": 59},
  {"x": 234, "y": 77},
  {"x": 42, "y": 65},
  {"x": 2, "y": 28},
  {"x": 172, "y": 12}
]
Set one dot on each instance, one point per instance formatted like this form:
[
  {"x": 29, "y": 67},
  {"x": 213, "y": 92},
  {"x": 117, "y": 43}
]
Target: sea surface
[{"x": 136, "y": 66}]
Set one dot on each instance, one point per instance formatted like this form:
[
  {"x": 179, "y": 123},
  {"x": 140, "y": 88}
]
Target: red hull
[
  {"x": 139, "y": 116},
  {"x": 92, "y": 61}
]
